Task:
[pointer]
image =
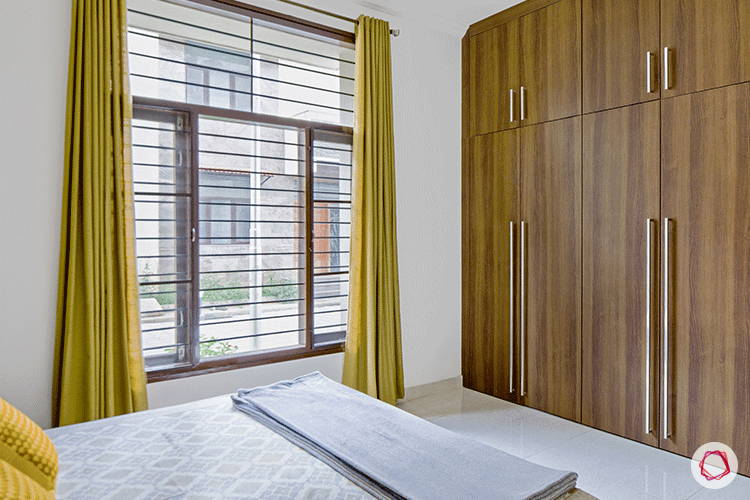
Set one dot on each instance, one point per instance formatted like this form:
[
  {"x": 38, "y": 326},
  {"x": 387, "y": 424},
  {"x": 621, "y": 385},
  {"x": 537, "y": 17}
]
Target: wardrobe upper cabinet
[
  {"x": 705, "y": 186},
  {"x": 621, "y": 57},
  {"x": 550, "y": 63},
  {"x": 708, "y": 43},
  {"x": 489, "y": 205},
  {"x": 493, "y": 70}
]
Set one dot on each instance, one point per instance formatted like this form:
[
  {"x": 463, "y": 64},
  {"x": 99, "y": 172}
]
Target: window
[{"x": 242, "y": 186}]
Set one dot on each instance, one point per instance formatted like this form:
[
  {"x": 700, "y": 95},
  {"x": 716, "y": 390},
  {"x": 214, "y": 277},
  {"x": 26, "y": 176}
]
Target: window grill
[
  {"x": 242, "y": 187},
  {"x": 185, "y": 54}
]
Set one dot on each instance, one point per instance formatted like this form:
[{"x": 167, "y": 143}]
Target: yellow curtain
[
  {"x": 372, "y": 360},
  {"x": 98, "y": 362}
]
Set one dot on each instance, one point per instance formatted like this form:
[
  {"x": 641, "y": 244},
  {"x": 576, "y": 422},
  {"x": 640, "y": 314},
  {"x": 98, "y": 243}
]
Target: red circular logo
[
  {"x": 724, "y": 458},
  {"x": 714, "y": 465}
]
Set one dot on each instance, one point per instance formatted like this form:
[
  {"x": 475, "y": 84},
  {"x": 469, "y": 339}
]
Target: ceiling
[{"x": 450, "y": 16}]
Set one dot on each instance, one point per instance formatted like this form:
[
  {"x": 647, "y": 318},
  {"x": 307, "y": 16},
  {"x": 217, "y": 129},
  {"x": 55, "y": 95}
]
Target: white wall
[
  {"x": 34, "y": 44},
  {"x": 34, "y": 37},
  {"x": 427, "y": 124}
]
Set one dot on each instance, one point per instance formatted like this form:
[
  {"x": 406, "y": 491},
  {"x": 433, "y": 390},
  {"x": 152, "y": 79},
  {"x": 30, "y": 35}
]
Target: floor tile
[
  {"x": 609, "y": 467},
  {"x": 524, "y": 432},
  {"x": 446, "y": 403},
  {"x": 515, "y": 429},
  {"x": 460, "y": 410},
  {"x": 739, "y": 489}
]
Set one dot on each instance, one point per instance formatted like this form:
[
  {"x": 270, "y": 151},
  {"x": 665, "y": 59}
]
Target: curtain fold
[
  {"x": 372, "y": 360},
  {"x": 99, "y": 368}
]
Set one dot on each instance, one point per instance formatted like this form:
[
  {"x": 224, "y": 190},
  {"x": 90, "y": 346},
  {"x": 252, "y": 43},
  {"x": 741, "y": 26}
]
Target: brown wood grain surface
[
  {"x": 585, "y": 186},
  {"x": 709, "y": 42},
  {"x": 617, "y": 35},
  {"x": 490, "y": 203},
  {"x": 621, "y": 192},
  {"x": 550, "y": 61},
  {"x": 551, "y": 206},
  {"x": 493, "y": 67},
  {"x": 706, "y": 191}
]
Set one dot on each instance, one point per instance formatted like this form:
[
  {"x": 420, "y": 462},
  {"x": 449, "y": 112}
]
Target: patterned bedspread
[{"x": 199, "y": 451}]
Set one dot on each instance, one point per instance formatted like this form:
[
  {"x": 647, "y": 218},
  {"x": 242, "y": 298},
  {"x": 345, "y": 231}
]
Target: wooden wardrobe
[{"x": 606, "y": 216}]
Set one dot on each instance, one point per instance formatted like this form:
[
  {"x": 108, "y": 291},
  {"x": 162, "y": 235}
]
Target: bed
[
  {"x": 201, "y": 450},
  {"x": 197, "y": 451}
]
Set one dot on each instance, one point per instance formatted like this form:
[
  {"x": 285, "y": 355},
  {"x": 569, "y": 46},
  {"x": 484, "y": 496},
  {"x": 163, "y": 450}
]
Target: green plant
[
  {"x": 217, "y": 289},
  {"x": 281, "y": 288},
  {"x": 213, "y": 347}
]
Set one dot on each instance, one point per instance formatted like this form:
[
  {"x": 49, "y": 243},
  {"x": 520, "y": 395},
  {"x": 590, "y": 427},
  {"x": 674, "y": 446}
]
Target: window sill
[{"x": 239, "y": 362}]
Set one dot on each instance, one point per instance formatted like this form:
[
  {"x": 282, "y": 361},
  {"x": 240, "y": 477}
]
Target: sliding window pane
[
  {"x": 332, "y": 174},
  {"x": 162, "y": 200},
  {"x": 251, "y": 236}
]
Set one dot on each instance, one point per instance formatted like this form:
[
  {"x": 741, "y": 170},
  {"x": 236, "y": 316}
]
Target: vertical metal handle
[
  {"x": 666, "y": 68},
  {"x": 649, "y": 303},
  {"x": 665, "y": 350},
  {"x": 523, "y": 106},
  {"x": 512, "y": 117},
  {"x": 649, "y": 73},
  {"x": 512, "y": 301},
  {"x": 523, "y": 307}
]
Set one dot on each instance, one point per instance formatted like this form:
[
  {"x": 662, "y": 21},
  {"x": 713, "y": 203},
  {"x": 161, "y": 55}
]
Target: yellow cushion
[
  {"x": 17, "y": 486},
  {"x": 25, "y": 446}
]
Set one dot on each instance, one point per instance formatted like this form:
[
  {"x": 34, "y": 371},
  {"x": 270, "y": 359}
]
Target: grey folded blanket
[{"x": 390, "y": 453}]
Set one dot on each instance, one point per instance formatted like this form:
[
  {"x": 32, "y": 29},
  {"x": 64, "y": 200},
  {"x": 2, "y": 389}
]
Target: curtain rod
[{"x": 329, "y": 14}]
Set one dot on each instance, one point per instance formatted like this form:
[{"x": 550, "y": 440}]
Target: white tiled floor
[{"x": 608, "y": 467}]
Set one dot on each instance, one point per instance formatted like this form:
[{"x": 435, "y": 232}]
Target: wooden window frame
[
  {"x": 245, "y": 360},
  {"x": 190, "y": 364},
  {"x": 195, "y": 365}
]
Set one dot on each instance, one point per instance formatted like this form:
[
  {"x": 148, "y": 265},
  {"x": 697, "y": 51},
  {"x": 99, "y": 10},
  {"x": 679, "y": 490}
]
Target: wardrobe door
[
  {"x": 706, "y": 183},
  {"x": 620, "y": 53},
  {"x": 551, "y": 62},
  {"x": 620, "y": 261},
  {"x": 708, "y": 42},
  {"x": 493, "y": 67},
  {"x": 550, "y": 264},
  {"x": 490, "y": 204}
]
